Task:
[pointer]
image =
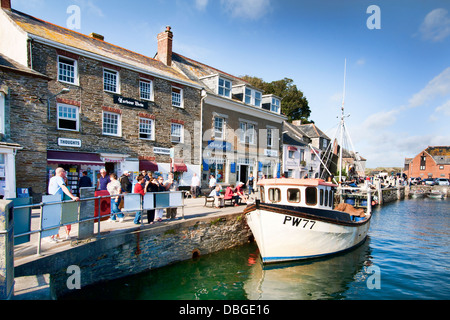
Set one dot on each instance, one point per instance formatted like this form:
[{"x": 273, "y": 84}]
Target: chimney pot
[
  {"x": 6, "y": 4},
  {"x": 97, "y": 36},
  {"x": 165, "y": 46}
]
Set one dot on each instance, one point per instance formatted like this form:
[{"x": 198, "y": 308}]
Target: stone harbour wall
[{"x": 123, "y": 254}]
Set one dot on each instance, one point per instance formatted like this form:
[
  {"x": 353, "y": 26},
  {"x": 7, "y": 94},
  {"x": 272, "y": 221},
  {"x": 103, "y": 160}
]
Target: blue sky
[{"x": 398, "y": 76}]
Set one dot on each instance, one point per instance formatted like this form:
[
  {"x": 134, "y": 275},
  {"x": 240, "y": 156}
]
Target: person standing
[
  {"x": 103, "y": 180},
  {"x": 114, "y": 188},
  {"x": 195, "y": 186},
  {"x": 85, "y": 181},
  {"x": 125, "y": 182},
  {"x": 139, "y": 188},
  {"x": 161, "y": 188},
  {"x": 57, "y": 186},
  {"x": 212, "y": 183},
  {"x": 151, "y": 186},
  {"x": 250, "y": 184},
  {"x": 171, "y": 185}
]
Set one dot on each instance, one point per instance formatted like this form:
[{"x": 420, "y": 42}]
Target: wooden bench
[{"x": 209, "y": 199}]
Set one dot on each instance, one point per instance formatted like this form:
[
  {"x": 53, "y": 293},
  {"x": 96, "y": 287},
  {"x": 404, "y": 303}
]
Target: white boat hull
[{"x": 286, "y": 237}]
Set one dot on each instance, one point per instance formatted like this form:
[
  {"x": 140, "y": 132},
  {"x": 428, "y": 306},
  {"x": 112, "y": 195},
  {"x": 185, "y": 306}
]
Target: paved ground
[{"x": 37, "y": 287}]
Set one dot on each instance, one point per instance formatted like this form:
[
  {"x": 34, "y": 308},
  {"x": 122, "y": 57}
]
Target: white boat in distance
[{"x": 295, "y": 219}]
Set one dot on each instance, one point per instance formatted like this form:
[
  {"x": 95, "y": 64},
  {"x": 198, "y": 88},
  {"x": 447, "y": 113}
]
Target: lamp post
[{"x": 63, "y": 91}]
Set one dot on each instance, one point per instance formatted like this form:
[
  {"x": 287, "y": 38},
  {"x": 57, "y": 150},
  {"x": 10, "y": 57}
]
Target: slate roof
[
  {"x": 70, "y": 38},
  {"x": 12, "y": 65},
  {"x": 312, "y": 131},
  {"x": 440, "y": 154}
]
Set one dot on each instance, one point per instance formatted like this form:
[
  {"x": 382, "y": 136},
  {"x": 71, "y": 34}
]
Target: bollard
[{"x": 6, "y": 250}]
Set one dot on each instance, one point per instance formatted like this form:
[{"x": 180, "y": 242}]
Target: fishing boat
[
  {"x": 295, "y": 219},
  {"x": 435, "y": 194}
]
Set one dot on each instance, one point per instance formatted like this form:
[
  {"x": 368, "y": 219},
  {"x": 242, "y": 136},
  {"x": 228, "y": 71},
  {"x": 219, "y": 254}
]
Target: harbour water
[{"x": 406, "y": 256}]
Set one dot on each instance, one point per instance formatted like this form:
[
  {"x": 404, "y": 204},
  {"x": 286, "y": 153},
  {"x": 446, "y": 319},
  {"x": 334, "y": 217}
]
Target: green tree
[{"x": 294, "y": 104}]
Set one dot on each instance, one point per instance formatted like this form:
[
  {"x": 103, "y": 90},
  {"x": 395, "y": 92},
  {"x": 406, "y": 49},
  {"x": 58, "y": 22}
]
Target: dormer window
[
  {"x": 253, "y": 97},
  {"x": 224, "y": 88},
  {"x": 275, "y": 107}
]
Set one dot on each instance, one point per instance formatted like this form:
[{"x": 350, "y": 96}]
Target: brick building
[
  {"x": 433, "y": 162},
  {"x": 103, "y": 106}
]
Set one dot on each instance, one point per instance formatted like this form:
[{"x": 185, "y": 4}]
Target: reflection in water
[{"x": 327, "y": 278}]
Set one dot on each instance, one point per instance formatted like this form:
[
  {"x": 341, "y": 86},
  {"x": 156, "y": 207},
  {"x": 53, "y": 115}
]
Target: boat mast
[{"x": 342, "y": 123}]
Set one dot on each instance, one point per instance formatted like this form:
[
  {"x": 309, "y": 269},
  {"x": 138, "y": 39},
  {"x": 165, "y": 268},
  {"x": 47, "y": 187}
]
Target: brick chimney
[
  {"x": 6, "y": 4},
  {"x": 165, "y": 46}
]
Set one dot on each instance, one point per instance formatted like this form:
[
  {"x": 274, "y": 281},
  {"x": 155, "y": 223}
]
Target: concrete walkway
[{"x": 38, "y": 287}]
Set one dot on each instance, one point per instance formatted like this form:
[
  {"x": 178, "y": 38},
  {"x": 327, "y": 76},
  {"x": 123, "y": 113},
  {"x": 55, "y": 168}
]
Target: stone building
[
  {"x": 19, "y": 86},
  {"x": 103, "y": 106},
  {"x": 241, "y": 126}
]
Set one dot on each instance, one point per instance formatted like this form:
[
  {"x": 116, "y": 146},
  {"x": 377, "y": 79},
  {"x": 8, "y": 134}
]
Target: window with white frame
[
  {"x": 68, "y": 117},
  {"x": 247, "y": 134},
  {"x": 253, "y": 97},
  {"x": 269, "y": 137},
  {"x": 177, "y": 97},
  {"x": 275, "y": 107},
  {"x": 224, "y": 88},
  {"x": 110, "y": 80},
  {"x": 177, "y": 133},
  {"x": 67, "y": 70},
  {"x": 146, "y": 129},
  {"x": 219, "y": 128},
  {"x": 146, "y": 89},
  {"x": 112, "y": 124}
]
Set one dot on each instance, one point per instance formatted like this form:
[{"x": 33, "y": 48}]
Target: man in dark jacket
[{"x": 125, "y": 182}]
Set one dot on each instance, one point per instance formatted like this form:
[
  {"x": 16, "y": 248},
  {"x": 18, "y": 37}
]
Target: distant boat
[
  {"x": 435, "y": 194},
  {"x": 295, "y": 219},
  {"x": 417, "y": 194}
]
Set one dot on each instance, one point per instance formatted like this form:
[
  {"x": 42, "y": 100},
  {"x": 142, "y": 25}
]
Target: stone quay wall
[{"x": 127, "y": 253}]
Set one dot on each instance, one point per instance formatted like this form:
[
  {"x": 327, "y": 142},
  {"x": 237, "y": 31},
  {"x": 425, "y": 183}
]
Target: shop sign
[
  {"x": 130, "y": 102},
  {"x": 73, "y": 143},
  {"x": 270, "y": 153},
  {"x": 219, "y": 145},
  {"x": 165, "y": 151}
]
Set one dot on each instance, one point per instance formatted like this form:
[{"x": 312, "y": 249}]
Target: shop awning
[
  {"x": 179, "y": 167},
  {"x": 147, "y": 165},
  {"x": 292, "y": 148},
  {"x": 77, "y": 158}
]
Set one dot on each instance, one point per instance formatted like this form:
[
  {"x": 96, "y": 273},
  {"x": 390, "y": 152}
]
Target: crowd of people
[{"x": 117, "y": 187}]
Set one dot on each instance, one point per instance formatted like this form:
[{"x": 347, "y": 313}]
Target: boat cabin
[{"x": 314, "y": 193}]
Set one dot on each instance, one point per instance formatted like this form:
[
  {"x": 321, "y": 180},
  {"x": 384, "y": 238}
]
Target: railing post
[{"x": 6, "y": 250}]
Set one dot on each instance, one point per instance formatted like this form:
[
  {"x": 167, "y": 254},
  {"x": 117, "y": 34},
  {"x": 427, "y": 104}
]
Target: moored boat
[
  {"x": 415, "y": 194},
  {"x": 435, "y": 194},
  {"x": 296, "y": 219}
]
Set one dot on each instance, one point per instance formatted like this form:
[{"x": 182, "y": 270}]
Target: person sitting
[
  {"x": 240, "y": 192},
  {"x": 218, "y": 197},
  {"x": 230, "y": 194}
]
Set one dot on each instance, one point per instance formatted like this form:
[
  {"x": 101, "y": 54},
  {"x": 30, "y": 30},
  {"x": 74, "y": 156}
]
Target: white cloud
[
  {"x": 439, "y": 86},
  {"x": 436, "y": 26},
  {"x": 248, "y": 9},
  {"x": 441, "y": 110},
  {"x": 201, "y": 4},
  {"x": 361, "y": 62}
]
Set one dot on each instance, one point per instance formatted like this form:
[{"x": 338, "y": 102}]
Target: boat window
[
  {"x": 263, "y": 196},
  {"x": 331, "y": 199},
  {"x": 321, "y": 197},
  {"x": 274, "y": 195},
  {"x": 293, "y": 195},
  {"x": 311, "y": 196},
  {"x": 326, "y": 198}
]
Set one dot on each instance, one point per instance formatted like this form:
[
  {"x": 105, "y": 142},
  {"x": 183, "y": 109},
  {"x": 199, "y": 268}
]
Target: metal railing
[{"x": 133, "y": 203}]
